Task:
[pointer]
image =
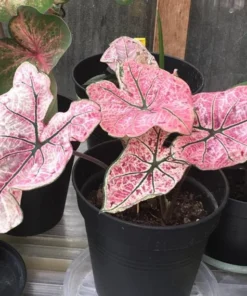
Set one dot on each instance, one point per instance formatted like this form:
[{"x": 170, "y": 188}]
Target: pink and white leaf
[
  {"x": 33, "y": 154},
  {"x": 127, "y": 49},
  {"x": 219, "y": 137},
  {"x": 144, "y": 170},
  {"x": 152, "y": 97}
]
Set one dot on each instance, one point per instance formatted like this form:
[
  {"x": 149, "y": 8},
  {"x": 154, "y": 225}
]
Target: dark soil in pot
[
  {"x": 138, "y": 260},
  {"x": 43, "y": 207},
  {"x": 91, "y": 67},
  {"x": 228, "y": 243},
  {"x": 190, "y": 207}
]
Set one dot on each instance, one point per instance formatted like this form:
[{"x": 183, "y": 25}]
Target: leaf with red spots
[
  {"x": 219, "y": 137},
  {"x": 144, "y": 170},
  {"x": 8, "y": 8},
  {"x": 36, "y": 38},
  {"x": 127, "y": 49},
  {"x": 152, "y": 97},
  {"x": 33, "y": 154}
]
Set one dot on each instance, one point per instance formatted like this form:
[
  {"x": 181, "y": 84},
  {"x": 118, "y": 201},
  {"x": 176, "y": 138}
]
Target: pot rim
[
  {"x": 153, "y": 53},
  {"x": 233, "y": 200},
  {"x": 130, "y": 224},
  {"x": 240, "y": 202}
]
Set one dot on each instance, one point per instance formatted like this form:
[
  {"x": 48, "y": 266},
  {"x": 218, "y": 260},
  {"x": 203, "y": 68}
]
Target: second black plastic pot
[
  {"x": 134, "y": 260},
  {"x": 92, "y": 66},
  {"x": 43, "y": 207},
  {"x": 228, "y": 243},
  {"x": 13, "y": 274}
]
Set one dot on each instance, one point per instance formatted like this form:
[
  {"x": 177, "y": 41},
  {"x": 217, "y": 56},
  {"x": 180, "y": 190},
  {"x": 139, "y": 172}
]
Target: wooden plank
[
  {"x": 217, "y": 42},
  {"x": 175, "y": 19},
  {"x": 96, "y": 23}
]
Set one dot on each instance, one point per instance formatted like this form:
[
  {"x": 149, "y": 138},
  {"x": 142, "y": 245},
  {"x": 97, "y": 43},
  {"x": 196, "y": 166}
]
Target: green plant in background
[
  {"x": 34, "y": 37},
  {"x": 37, "y": 34},
  {"x": 8, "y": 9}
]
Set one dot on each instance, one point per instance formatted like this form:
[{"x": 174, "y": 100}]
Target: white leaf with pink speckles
[
  {"x": 219, "y": 137},
  {"x": 127, "y": 49},
  {"x": 144, "y": 170},
  {"x": 33, "y": 154},
  {"x": 152, "y": 97}
]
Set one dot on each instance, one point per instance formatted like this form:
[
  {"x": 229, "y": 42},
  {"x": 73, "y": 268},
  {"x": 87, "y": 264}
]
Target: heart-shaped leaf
[
  {"x": 127, "y": 49},
  {"x": 8, "y": 8},
  {"x": 33, "y": 154},
  {"x": 37, "y": 38},
  {"x": 219, "y": 137},
  {"x": 152, "y": 97},
  {"x": 144, "y": 170}
]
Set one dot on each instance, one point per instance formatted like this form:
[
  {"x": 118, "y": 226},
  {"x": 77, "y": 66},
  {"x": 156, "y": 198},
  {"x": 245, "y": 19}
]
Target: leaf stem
[
  {"x": 91, "y": 159},
  {"x": 138, "y": 209},
  {"x": 163, "y": 208},
  {"x": 2, "y": 35},
  {"x": 161, "y": 44},
  {"x": 175, "y": 193}
]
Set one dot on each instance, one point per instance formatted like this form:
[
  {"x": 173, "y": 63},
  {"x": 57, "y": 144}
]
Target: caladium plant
[
  {"x": 36, "y": 38},
  {"x": 148, "y": 108},
  {"x": 32, "y": 153}
]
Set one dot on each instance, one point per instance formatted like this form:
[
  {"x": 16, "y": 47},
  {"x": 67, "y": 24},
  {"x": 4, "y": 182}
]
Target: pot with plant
[
  {"x": 149, "y": 215},
  {"x": 34, "y": 153},
  {"x": 37, "y": 36},
  {"x": 102, "y": 67}
]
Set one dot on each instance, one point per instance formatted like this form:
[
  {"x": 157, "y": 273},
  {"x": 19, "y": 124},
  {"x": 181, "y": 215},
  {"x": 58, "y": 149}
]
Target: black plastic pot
[
  {"x": 92, "y": 66},
  {"x": 134, "y": 260},
  {"x": 13, "y": 272},
  {"x": 228, "y": 243},
  {"x": 43, "y": 207}
]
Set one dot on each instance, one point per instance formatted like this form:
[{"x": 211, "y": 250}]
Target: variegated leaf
[
  {"x": 37, "y": 38},
  {"x": 33, "y": 154},
  {"x": 144, "y": 170},
  {"x": 152, "y": 97},
  {"x": 127, "y": 49},
  {"x": 8, "y": 8},
  {"x": 219, "y": 137}
]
